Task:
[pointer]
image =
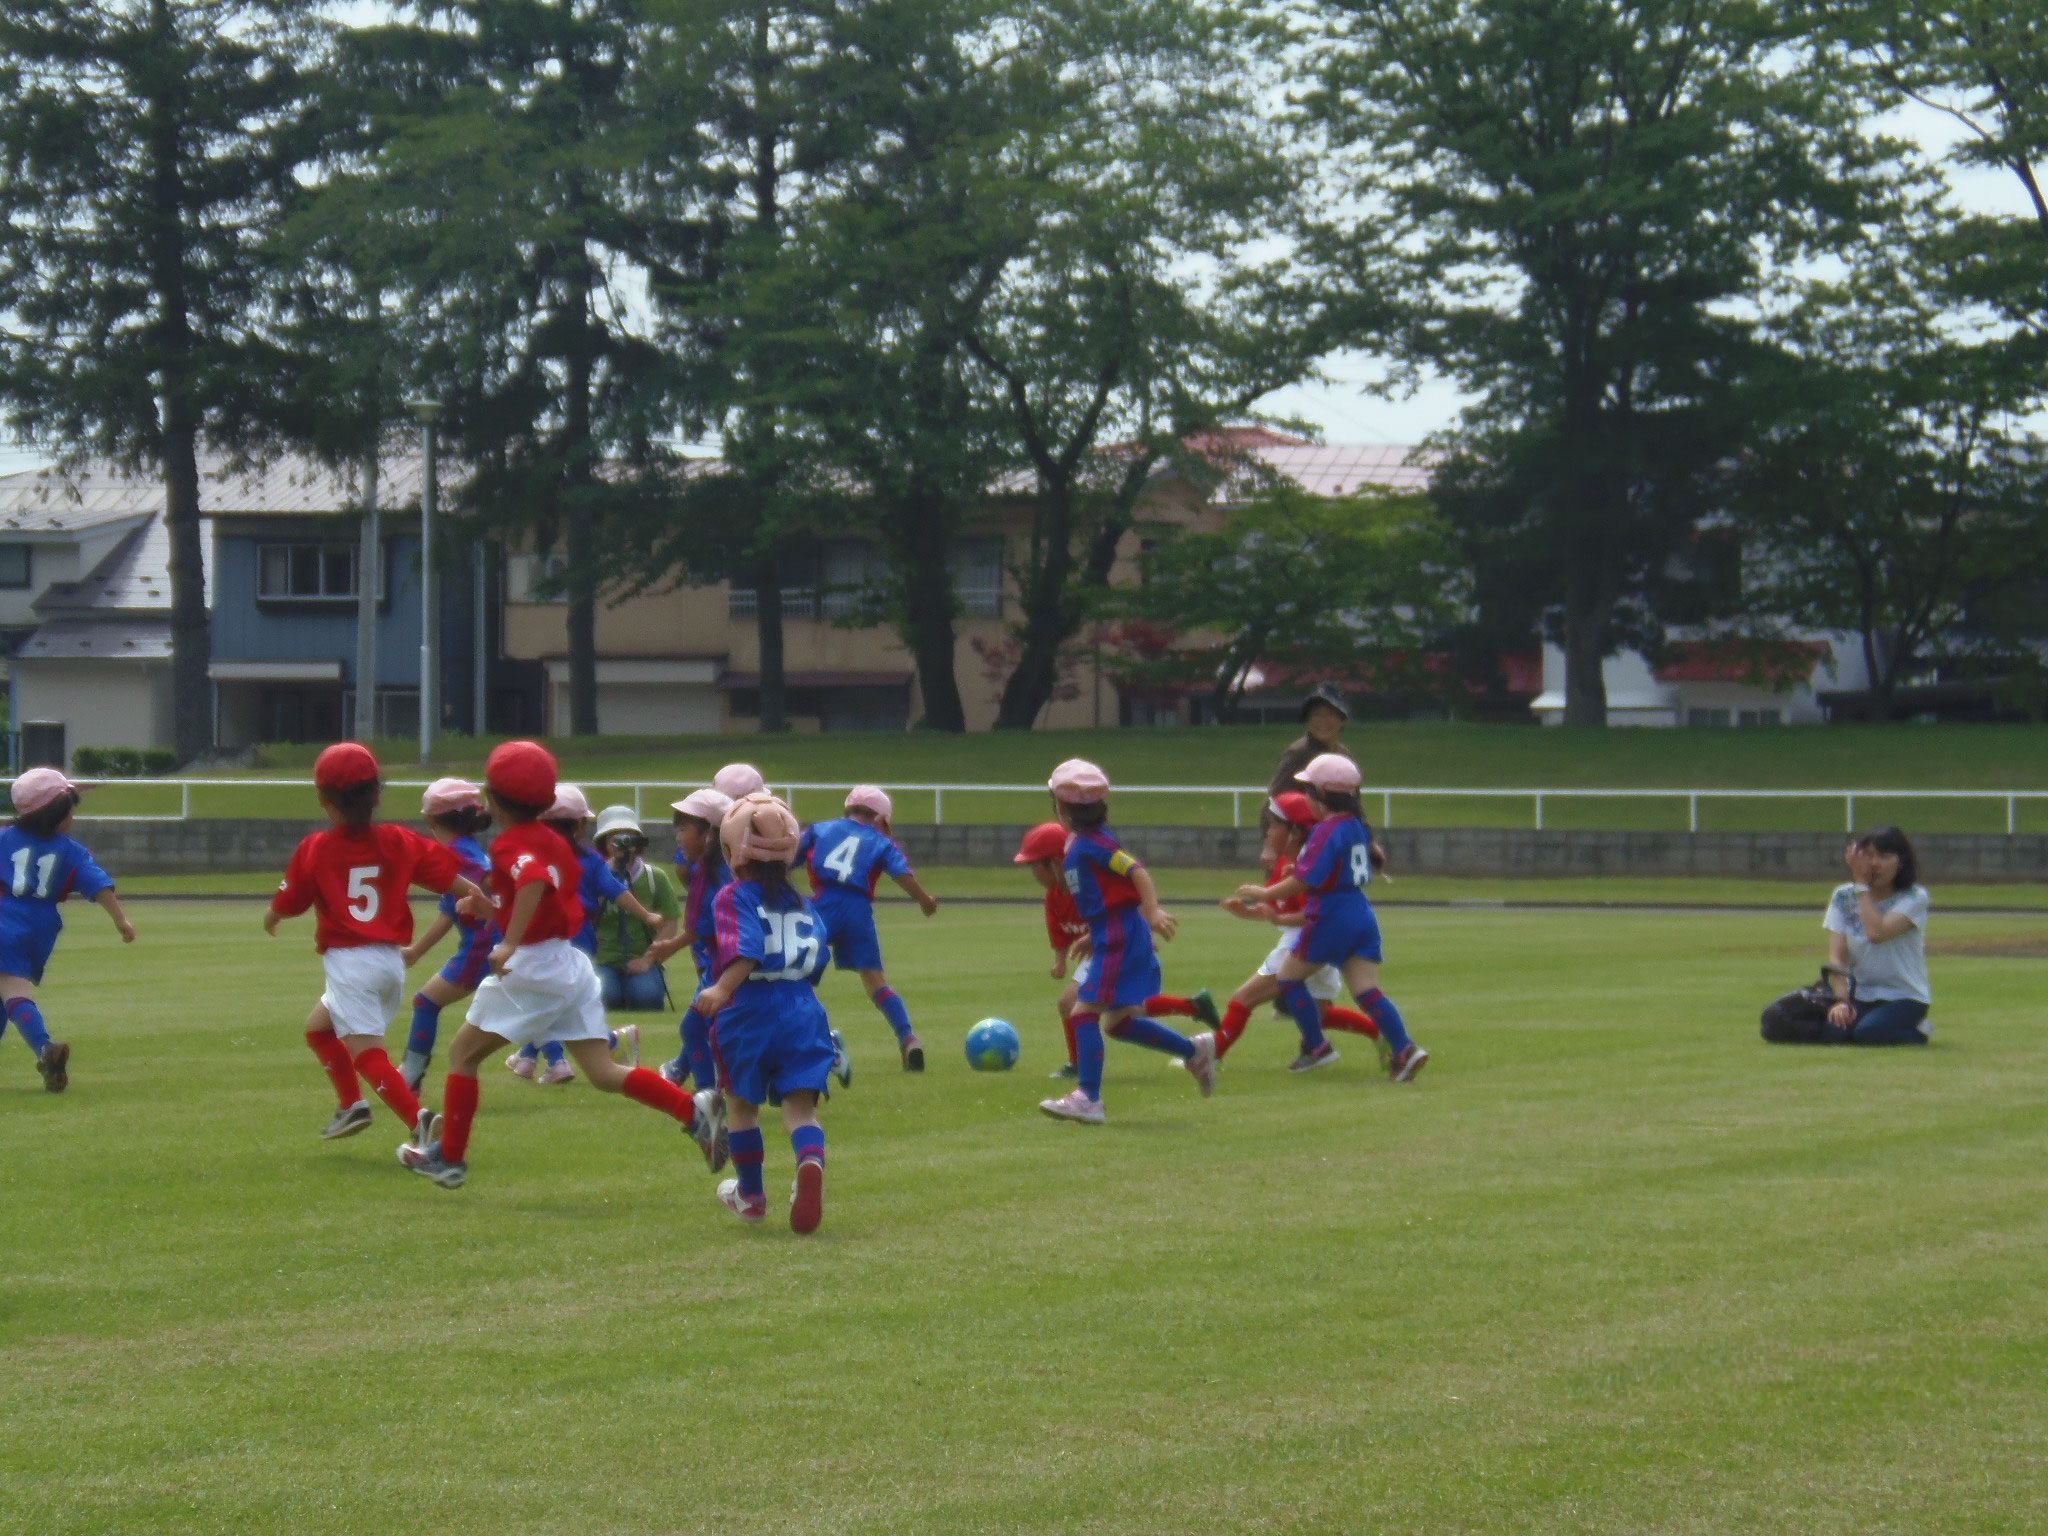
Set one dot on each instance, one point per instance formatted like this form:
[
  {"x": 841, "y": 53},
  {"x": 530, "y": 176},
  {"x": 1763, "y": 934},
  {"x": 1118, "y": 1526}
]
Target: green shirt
[{"x": 621, "y": 937}]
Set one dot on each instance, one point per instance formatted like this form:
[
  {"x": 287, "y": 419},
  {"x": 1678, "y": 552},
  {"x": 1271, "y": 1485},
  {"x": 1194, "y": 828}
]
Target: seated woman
[
  {"x": 1877, "y": 931},
  {"x": 630, "y": 980}
]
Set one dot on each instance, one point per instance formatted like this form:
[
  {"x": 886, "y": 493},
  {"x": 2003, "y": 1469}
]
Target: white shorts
[
  {"x": 365, "y": 985},
  {"x": 548, "y": 991},
  {"x": 1325, "y": 984}
]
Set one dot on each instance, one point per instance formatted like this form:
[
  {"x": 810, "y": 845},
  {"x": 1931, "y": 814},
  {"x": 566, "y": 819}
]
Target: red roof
[{"x": 1763, "y": 663}]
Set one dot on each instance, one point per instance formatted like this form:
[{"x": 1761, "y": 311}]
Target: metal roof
[
  {"x": 98, "y": 490},
  {"x": 98, "y": 640},
  {"x": 134, "y": 578}
]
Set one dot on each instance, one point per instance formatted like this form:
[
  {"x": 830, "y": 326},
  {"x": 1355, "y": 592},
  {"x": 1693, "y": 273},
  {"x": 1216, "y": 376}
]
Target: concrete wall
[
  {"x": 164, "y": 847},
  {"x": 110, "y": 703}
]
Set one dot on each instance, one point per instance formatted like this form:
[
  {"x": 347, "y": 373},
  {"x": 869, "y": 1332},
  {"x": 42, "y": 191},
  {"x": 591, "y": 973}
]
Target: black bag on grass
[{"x": 1801, "y": 1018}]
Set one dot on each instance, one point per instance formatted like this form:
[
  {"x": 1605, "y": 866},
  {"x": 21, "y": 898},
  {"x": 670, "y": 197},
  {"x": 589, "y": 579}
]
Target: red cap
[
  {"x": 343, "y": 765},
  {"x": 1294, "y": 809},
  {"x": 1047, "y": 840},
  {"x": 522, "y": 771}
]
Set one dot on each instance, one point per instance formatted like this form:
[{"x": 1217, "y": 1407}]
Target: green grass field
[
  {"x": 1610, "y": 1265},
  {"x": 1409, "y": 756}
]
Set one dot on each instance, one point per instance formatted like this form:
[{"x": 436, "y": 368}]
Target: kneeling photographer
[
  {"x": 1874, "y": 987},
  {"x": 629, "y": 978}
]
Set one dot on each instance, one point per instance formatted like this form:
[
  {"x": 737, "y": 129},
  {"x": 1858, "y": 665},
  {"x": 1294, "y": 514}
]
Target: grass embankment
[
  {"x": 1405, "y": 756},
  {"x": 1611, "y": 1265}
]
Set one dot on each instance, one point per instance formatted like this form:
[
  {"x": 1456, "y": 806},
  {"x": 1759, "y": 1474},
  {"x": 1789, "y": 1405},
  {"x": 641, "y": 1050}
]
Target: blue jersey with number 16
[{"x": 1336, "y": 866}]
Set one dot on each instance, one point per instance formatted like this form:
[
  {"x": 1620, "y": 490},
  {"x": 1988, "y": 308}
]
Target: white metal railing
[{"x": 792, "y": 790}]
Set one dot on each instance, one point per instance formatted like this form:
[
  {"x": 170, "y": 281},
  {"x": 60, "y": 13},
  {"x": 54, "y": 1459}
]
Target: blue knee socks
[
  {"x": 25, "y": 1016},
  {"x": 552, "y": 1050},
  {"x": 426, "y": 1024},
  {"x": 697, "y": 1049},
  {"x": 893, "y": 1010},
  {"x": 746, "y": 1160},
  {"x": 808, "y": 1142},
  {"x": 1088, "y": 1053},
  {"x": 1379, "y": 1007},
  {"x": 1154, "y": 1036},
  {"x": 1308, "y": 1018}
]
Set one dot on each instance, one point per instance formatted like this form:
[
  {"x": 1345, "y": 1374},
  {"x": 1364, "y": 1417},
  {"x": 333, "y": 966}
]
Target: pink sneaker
[
  {"x": 519, "y": 1066},
  {"x": 1408, "y": 1063},
  {"x": 747, "y": 1210},
  {"x": 558, "y": 1072},
  {"x": 1075, "y": 1106},
  {"x": 807, "y": 1196}
]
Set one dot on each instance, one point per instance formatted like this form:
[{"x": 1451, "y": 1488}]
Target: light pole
[{"x": 426, "y": 411}]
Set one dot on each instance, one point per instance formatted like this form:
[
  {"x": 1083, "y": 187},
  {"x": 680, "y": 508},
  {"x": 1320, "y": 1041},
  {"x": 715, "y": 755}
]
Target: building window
[
  {"x": 14, "y": 566},
  {"x": 305, "y": 572},
  {"x": 1707, "y": 717},
  {"x": 853, "y": 574},
  {"x": 978, "y": 577},
  {"x": 535, "y": 578},
  {"x": 1760, "y": 717}
]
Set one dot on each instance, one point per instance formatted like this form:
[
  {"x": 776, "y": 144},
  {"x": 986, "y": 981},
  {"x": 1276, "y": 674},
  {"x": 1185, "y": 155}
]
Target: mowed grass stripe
[{"x": 1610, "y": 1265}]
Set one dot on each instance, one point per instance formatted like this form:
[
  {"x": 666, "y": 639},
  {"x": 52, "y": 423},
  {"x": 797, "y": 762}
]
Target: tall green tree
[
  {"x": 147, "y": 158},
  {"x": 522, "y": 179},
  {"x": 1568, "y": 204}
]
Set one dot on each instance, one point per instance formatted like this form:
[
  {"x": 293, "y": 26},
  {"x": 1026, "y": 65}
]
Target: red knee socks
[
  {"x": 377, "y": 1071},
  {"x": 1073, "y": 1050},
  {"x": 1235, "y": 1017},
  {"x": 341, "y": 1070},
  {"x": 1354, "y": 1023},
  {"x": 458, "y": 1112},
  {"x": 657, "y": 1092},
  {"x": 1164, "y": 1003}
]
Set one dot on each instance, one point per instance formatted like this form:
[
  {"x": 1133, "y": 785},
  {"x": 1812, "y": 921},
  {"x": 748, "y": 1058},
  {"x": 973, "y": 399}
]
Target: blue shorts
[
  {"x": 1334, "y": 936},
  {"x": 470, "y": 964},
  {"x": 25, "y": 952},
  {"x": 772, "y": 1038},
  {"x": 1124, "y": 969},
  {"x": 849, "y": 919}
]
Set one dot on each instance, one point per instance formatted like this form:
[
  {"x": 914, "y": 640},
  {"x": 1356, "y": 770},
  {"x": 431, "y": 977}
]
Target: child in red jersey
[
  {"x": 541, "y": 986},
  {"x": 355, "y": 874},
  {"x": 1293, "y": 812}
]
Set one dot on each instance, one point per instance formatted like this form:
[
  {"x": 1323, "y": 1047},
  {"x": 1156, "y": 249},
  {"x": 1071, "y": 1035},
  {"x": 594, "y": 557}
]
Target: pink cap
[
  {"x": 1078, "y": 782},
  {"x": 444, "y": 795},
  {"x": 869, "y": 797},
  {"x": 38, "y": 787},
  {"x": 737, "y": 779},
  {"x": 1332, "y": 770},
  {"x": 569, "y": 804},
  {"x": 704, "y": 804}
]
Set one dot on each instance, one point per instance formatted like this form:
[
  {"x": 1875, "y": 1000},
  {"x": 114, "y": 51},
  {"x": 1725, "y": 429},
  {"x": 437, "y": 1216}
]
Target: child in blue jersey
[
  {"x": 455, "y": 812},
  {"x": 700, "y": 864},
  {"x": 1114, "y": 894},
  {"x": 1338, "y": 926},
  {"x": 40, "y": 866},
  {"x": 597, "y": 884},
  {"x": 769, "y": 1031},
  {"x": 847, "y": 859}
]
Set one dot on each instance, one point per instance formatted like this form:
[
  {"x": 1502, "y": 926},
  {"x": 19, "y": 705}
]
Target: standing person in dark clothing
[{"x": 1323, "y": 714}]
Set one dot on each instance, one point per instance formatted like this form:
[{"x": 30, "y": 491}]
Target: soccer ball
[{"x": 992, "y": 1046}]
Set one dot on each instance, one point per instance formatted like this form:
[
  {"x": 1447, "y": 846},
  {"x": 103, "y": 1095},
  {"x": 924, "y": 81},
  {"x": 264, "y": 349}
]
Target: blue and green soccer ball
[{"x": 992, "y": 1046}]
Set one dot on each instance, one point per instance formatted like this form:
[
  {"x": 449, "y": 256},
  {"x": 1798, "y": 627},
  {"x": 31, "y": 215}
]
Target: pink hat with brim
[
  {"x": 569, "y": 804},
  {"x": 445, "y": 795},
  {"x": 738, "y": 779},
  {"x": 1332, "y": 770},
  {"x": 38, "y": 787},
  {"x": 704, "y": 804},
  {"x": 1078, "y": 782},
  {"x": 869, "y": 797}
]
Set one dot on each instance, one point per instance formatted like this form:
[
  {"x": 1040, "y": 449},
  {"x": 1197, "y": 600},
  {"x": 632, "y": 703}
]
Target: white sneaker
[
  {"x": 519, "y": 1066},
  {"x": 629, "y": 1042},
  {"x": 747, "y": 1210},
  {"x": 708, "y": 1128},
  {"x": 1202, "y": 1065},
  {"x": 557, "y": 1072},
  {"x": 1075, "y": 1106}
]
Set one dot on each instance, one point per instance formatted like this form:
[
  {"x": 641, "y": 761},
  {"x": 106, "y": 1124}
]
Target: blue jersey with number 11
[
  {"x": 1336, "y": 866},
  {"x": 36, "y": 873}
]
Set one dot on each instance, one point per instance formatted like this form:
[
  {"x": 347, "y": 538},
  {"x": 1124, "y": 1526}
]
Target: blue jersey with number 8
[{"x": 1336, "y": 867}]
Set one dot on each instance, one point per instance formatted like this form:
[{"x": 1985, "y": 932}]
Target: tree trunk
[
  {"x": 1585, "y": 676},
  {"x": 928, "y": 625},
  {"x": 191, "y": 626},
  {"x": 580, "y": 518},
  {"x": 768, "y": 631},
  {"x": 1046, "y": 600}
]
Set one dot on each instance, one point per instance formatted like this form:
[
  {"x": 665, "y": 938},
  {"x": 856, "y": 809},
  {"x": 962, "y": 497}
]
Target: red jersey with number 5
[
  {"x": 528, "y": 853},
  {"x": 357, "y": 877}
]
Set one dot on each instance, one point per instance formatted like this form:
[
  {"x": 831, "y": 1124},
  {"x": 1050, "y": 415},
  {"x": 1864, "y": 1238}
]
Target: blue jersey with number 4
[
  {"x": 850, "y": 854},
  {"x": 36, "y": 873},
  {"x": 1336, "y": 866}
]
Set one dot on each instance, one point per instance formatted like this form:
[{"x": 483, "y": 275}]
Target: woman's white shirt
[{"x": 1896, "y": 969}]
